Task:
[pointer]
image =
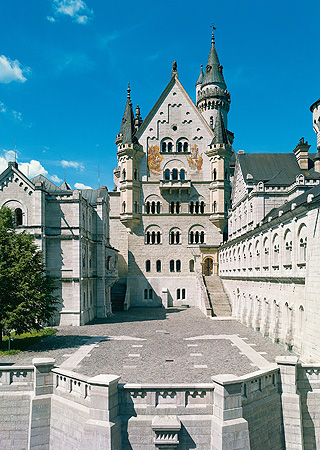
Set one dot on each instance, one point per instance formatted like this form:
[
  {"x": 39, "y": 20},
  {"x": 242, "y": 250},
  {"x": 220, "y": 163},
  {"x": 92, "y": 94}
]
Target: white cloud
[
  {"x": 73, "y": 164},
  {"x": 3, "y": 107},
  {"x": 32, "y": 169},
  {"x": 17, "y": 115},
  {"x": 11, "y": 70},
  {"x": 81, "y": 186},
  {"x": 55, "y": 179},
  {"x": 76, "y": 9},
  {"x": 8, "y": 155}
]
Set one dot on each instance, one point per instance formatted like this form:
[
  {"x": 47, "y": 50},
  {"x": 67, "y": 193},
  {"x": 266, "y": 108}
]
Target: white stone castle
[
  {"x": 192, "y": 221},
  {"x": 194, "y": 224}
]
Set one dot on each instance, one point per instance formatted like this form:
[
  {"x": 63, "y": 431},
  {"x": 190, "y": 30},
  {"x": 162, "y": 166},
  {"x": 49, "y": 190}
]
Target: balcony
[{"x": 175, "y": 185}]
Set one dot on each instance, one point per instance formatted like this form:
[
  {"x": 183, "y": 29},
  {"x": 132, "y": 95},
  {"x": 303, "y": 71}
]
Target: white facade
[{"x": 71, "y": 227}]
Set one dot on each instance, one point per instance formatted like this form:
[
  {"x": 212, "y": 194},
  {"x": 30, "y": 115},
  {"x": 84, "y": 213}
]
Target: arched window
[
  {"x": 158, "y": 265},
  {"x": 148, "y": 265},
  {"x": 183, "y": 292},
  {"x": 214, "y": 174},
  {"x": 178, "y": 294},
  {"x": 158, "y": 207},
  {"x": 202, "y": 237},
  {"x": 172, "y": 207},
  {"x": 191, "y": 207},
  {"x": 177, "y": 207},
  {"x": 202, "y": 207},
  {"x": 196, "y": 237},
  {"x": 288, "y": 248},
  {"x": 158, "y": 237},
  {"x": 153, "y": 237},
  {"x": 148, "y": 207},
  {"x": 171, "y": 240},
  {"x": 18, "y": 217},
  {"x": 177, "y": 237},
  {"x": 171, "y": 265},
  {"x": 148, "y": 237},
  {"x": 214, "y": 206},
  {"x": 164, "y": 147},
  {"x": 153, "y": 207},
  {"x": 169, "y": 147},
  {"x": 135, "y": 174},
  {"x": 179, "y": 146},
  {"x": 196, "y": 207},
  {"x": 191, "y": 237},
  {"x": 124, "y": 207},
  {"x": 276, "y": 250},
  {"x": 302, "y": 236},
  {"x": 182, "y": 174},
  {"x": 124, "y": 174},
  {"x": 185, "y": 146},
  {"x": 191, "y": 265},
  {"x": 178, "y": 265},
  {"x": 174, "y": 174},
  {"x": 167, "y": 174}
]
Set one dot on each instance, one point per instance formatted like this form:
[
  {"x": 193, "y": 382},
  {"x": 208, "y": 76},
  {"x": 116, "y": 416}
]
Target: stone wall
[{"x": 46, "y": 408}]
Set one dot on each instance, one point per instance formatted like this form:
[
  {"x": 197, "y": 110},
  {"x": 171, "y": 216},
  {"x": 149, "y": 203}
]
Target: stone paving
[{"x": 154, "y": 345}]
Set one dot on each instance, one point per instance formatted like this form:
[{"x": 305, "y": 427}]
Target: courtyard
[{"x": 156, "y": 345}]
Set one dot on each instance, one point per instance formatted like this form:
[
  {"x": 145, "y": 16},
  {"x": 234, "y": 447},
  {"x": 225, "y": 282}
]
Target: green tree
[{"x": 26, "y": 292}]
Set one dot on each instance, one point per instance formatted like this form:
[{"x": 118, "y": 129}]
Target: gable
[{"x": 175, "y": 119}]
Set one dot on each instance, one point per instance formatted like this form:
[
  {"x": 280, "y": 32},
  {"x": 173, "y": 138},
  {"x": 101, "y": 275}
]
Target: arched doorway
[{"x": 207, "y": 268}]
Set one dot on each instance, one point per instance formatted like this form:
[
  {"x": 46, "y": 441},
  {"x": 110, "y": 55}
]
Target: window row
[
  {"x": 181, "y": 146},
  {"x": 175, "y": 237},
  {"x": 174, "y": 266},
  {"x": 135, "y": 174},
  {"x": 153, "y": 207},
  {"x": 174, "y": 174}
]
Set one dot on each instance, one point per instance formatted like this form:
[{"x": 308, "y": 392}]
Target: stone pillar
[
  {"x": 103, "y": 430},
  {"x": 229, "y": 428},
  {"x": 291, "y": 406},
  {"x": 40, "y": 408}
]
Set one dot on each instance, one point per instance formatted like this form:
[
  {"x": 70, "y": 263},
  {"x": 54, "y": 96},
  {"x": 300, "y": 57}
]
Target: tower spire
[
  {"x": 212, "y": 36},
  {"x": 127, "y": 129}
]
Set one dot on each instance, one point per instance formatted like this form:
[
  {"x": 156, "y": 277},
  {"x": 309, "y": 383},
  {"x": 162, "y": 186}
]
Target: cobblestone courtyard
[{"x": 154, "y": 345}]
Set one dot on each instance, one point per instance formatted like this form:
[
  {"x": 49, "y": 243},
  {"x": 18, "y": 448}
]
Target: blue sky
[{"x": 65, "y": 65}]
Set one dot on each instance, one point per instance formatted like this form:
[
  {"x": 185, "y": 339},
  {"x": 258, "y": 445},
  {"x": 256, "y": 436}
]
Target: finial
[
  {"x": 174, "y": 66},
  {"x": 212, "y": 37},
  {"x": 138, "y": 112},
  {"x": 128, "y": 90}
]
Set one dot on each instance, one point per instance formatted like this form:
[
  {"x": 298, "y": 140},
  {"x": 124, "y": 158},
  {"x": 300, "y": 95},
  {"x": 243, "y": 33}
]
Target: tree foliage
[{"x": 26, "y": 292}]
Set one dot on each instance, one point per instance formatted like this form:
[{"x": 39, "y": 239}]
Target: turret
[
  {"x": 315, "y": 109},
  {"x": 219, "y": 153},
  {"x": 129, "y": 155},
  {"x": 211, "y": 88}
]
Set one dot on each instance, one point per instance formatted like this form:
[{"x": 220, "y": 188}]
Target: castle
[{"x": 190, "y": 222}]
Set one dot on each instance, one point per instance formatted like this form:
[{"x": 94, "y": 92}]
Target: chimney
[{"x": 301, "y": 154}]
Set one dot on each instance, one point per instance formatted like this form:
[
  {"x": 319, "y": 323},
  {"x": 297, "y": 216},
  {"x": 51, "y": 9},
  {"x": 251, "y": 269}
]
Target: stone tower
[
  {"x": 219, "y": 153},
  {"x": 129, "y": 155},
  {"x": 211, "y": 89}
]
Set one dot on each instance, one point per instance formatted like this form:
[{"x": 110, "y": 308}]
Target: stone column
[
  {"x": 229, "y": 428},
  {"x": 40, "y": 408},
  {"x": 103, "y": 430},
  {"x": 291, "y": 406}
]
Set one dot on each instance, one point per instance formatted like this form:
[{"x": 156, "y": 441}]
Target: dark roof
[
  {"x": 213, "y": 73},
  {"x": 127, "y": 129},
  {"x": 314, "y": 105},
  {"x": 298, "y": 201},
  {"x": 200, "y": 79},
  {"x": 47, "y": 184},
  {"x": 274, "y": 169},
  {"x": 220, "y": 135}
]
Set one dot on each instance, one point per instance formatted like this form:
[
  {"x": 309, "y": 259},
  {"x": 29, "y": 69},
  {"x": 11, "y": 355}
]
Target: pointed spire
[
  {"x": 127, "y": 129},
  {"x": 200, "y": 79},
  {"x": 213, "y": 73},
  {"x": 220, "y": 134}
]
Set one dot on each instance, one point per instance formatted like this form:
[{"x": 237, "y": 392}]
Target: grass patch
[{"x": 24, "y": 341}]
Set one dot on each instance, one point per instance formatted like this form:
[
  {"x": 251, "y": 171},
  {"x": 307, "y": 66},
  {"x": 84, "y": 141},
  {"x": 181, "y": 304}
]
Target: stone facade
[
  {"x": 71, "y": 227},
  {"x": 172, "y": 191}
]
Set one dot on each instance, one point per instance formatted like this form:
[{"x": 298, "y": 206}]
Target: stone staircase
[
  {"x": 217, "y": 296},
  {"x": 118, "y": 294}
]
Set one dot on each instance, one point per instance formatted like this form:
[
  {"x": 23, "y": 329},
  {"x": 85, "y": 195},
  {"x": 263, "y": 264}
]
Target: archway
[{"x": 207, "y": 268}]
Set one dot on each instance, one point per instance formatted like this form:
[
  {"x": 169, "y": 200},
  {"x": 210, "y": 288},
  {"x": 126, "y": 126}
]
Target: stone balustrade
[{"x": 16, "y": 378}]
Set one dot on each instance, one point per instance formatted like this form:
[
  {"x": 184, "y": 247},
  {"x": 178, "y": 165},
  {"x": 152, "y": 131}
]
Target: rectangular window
[
  {"x": 183, "y": 294},
  {"x": 146, "y": 294},
  {"x": 178, "y": 294},
  {"x": 150, "y": 294}
]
